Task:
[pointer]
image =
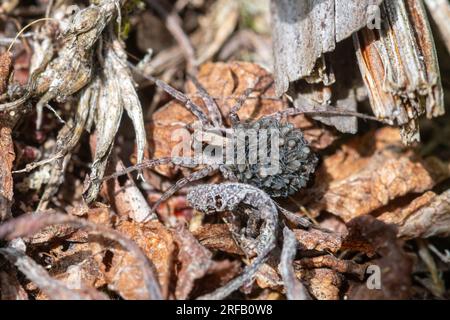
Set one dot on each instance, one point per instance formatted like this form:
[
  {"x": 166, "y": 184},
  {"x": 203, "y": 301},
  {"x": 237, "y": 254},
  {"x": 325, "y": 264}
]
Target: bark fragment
[
  {"x": 426, "y": 216},
  {"x": 369, "y": 172},
  {"x": 400, "y": 68},
  {"x": 304, "y": 30}
]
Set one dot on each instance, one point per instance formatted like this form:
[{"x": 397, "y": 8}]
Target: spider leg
[
  {"x": 178, "y": 95},
  {"x": 233, "y": 116},
  {"x": 200, "y": 174},
  {"x": 333, "y": 112},
  {"x": 211, "y": 105},
  {"x": 184, "y": 162}
]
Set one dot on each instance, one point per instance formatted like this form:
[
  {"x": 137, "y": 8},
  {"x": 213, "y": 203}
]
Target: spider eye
[
  {"x": 71, "y": 10},
  {"x": 218, "y": 201}
]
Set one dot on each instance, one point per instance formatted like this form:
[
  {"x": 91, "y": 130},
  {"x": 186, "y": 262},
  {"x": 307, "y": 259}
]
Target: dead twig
[{"x": 295, "y": 290}]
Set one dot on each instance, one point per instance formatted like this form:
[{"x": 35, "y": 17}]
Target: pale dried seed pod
[{"x": 117, "y": 93}]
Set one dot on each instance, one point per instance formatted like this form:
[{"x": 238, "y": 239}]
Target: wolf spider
[{"x": 296, "y": 159}]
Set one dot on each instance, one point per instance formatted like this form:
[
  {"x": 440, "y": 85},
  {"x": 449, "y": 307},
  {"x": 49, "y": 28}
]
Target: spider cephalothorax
[{"x": 281, "y": 170}]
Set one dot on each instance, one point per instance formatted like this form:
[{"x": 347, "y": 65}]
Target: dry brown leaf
[
  {"x": 7, "y": 154},
  {"x": 5, "y": 70},
  {"x": 157, "y": 243},
  {"x": 318, "y": 240},
  {"x": 323, "y": 283},
  {"x": 394, "y": 263},
  {"x": 426, "y": 216},
  {"x": 268, "y": 277},
  {"x": 226, "y": 82},
  {"x": 195, "y": 262},
  {"x": 217, "y": 237},
  {"x": 331, "y": 262},
  {"x": 370, "y": 171},
  {"x": 7, "y": 157}
]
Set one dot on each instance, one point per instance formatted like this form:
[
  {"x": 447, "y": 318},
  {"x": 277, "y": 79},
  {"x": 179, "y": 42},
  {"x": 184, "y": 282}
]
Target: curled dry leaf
[
  {"x": 260, "y": 238},
  {"x": 394, "y": 264},
  {"x": 370, "y": 171}
]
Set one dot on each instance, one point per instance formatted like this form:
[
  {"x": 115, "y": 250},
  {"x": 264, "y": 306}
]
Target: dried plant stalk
[
  {"x": 295, "y": 290},
  {"x": 400, "y": 68}
]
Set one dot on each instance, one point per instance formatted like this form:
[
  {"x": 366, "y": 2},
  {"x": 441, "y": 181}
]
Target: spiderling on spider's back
[{"x": 295, "y": 160}]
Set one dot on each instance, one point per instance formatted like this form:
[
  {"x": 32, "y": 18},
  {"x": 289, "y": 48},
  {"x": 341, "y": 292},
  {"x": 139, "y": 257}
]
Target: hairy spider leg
[
  {"x": 197, "y": 175},
  {"x": 233, "y": 116},
  {"x": 180, "y": 161},
  {"x": 177, "y": 95},
  {"x": 333, "y": 112},
  {"x": 211, "y": 105}
]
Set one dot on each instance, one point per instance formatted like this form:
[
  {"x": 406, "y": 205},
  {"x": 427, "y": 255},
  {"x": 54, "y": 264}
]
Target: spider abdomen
[{"x": 282, "y": 167}]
